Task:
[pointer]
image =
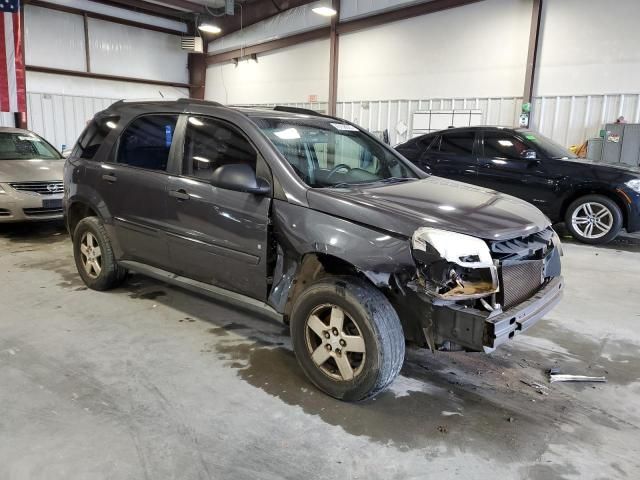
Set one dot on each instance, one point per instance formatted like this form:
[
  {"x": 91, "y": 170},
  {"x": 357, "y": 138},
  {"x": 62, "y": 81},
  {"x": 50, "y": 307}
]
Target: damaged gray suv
[{"x": 312, "y": 220}]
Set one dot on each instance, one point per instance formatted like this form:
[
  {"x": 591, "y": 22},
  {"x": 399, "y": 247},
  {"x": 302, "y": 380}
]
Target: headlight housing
[
  {"x": 454, "y": 266},
  {"x": 634, "y": 184},
  {"x": 2, "y": 192}
]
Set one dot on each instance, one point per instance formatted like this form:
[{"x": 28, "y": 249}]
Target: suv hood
[
  {"x": 612, "y": 167},
  {"x": 37, "y": 170},
  {"x": 434, "y": 202}
]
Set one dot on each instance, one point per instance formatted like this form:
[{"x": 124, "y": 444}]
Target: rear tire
[
  {"x": 94, "y": 256},
  {"x": 594, "y": 219},
  {"x": 347, "y": 337}
]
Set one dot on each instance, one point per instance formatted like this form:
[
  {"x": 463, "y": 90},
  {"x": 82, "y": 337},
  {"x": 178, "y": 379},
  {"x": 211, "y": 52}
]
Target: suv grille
[
  {"x": 521, "y": 266},
  {"x": 43, "y": 188},
  {"x": 520, "y": 281}
]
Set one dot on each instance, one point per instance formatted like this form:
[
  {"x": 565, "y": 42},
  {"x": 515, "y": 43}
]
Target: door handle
[
  {"x": 109, "y": 178},
  {"x": 179, "y": 194}
]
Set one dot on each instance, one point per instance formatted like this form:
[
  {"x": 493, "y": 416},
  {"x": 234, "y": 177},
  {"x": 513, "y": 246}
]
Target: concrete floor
[{"x": 152, "y": 382}]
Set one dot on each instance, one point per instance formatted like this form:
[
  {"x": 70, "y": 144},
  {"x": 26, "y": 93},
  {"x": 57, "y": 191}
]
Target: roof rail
[
  {"x": 179, "y": 100},
  {"x": 200, "y": 102},
  {"x": 304, "y": 111}
]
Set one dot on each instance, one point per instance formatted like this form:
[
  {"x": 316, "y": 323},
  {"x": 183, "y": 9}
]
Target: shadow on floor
[{"x": 34, "y": 232}]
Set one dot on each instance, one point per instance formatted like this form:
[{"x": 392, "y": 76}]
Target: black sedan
[{"x": 595, "y": 200}]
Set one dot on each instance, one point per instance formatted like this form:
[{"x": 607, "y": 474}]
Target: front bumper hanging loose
[{"x": 482, "y": 331}]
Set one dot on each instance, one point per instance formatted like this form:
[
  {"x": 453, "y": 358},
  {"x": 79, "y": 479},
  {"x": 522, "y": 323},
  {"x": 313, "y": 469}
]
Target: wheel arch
[
  {"x": 584, "y": 191},
  {"x": 315, "y": 265},
  {"x": 77, "y": 210}
]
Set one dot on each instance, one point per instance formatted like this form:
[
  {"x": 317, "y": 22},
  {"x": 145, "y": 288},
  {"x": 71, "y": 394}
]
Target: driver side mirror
[
  {"x": 239, "y": 177},
  {"x": 529, "y": 155}
]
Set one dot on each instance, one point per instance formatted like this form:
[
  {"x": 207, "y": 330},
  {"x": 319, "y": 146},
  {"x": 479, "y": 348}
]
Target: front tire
[
  {"x": 94, "y": 256},
  {"x": 347, "y": 338},
  {"x": 594, "y": 219}
]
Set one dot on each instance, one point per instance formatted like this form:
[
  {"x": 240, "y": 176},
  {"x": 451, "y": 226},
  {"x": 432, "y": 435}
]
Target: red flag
[{"x": 12, "y": 73}]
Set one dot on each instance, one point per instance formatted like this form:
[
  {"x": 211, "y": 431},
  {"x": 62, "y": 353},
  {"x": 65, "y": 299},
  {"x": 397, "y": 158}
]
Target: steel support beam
[
  {"x": 102, "y": 76},
  {"x": 99, "y": 16},
  {"x": 532, "y": 55},
  {"x": 20, "y": 118},
  {"x": 334, "y": 46},
  {"x": 197, "y": 65},
  {"x": 87, "y": 50}
]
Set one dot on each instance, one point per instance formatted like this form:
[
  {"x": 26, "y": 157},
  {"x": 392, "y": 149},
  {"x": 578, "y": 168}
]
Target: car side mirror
[
  {"x": 239, "y": 177},
  {"x": 529, "y": 155}
]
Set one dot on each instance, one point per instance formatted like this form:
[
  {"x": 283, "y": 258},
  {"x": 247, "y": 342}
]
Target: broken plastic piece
[{"x": 556, "y": 376}]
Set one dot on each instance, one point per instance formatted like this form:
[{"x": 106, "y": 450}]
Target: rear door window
[
  {"x": 146, "y": 142},
  {"x": 456, "y": 143}
]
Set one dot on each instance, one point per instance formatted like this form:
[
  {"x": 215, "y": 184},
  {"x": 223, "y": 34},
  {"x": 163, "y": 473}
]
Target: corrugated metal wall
[
  {"x": 569, "y": 120},
  {"x": 61, "y": 118}
]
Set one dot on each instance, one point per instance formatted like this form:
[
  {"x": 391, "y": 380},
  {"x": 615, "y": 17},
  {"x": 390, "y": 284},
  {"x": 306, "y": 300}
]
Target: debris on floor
[
  {"x": 541, "y": 389},
  {"x": 556, "y": 376}
]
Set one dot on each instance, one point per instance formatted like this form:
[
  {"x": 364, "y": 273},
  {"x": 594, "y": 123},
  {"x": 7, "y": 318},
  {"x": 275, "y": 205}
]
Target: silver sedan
[{"x": 31, "y": 171}]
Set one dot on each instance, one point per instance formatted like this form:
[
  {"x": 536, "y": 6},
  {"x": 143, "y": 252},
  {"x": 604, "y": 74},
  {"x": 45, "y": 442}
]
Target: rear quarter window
[{"x": 93, "y": 136}]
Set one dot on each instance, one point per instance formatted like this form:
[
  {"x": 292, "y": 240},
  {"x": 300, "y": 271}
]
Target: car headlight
[
  {"x": 454, "y": 266},
  {"x": 634, "y": 184},
  {"x": 2, "y": 192}
]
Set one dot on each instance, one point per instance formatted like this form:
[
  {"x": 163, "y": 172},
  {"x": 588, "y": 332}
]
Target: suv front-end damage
[{"x": 483, "y": 293}]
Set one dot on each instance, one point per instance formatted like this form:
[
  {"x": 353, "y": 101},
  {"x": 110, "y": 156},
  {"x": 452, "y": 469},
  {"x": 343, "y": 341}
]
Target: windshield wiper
[
  {"x": 396, "y": 179},
  {"x": 341, "y": 185}
]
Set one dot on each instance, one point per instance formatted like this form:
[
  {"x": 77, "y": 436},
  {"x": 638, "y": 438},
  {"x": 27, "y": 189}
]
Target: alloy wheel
[
  {"x": 91, "y": 255},
  {"x": 335, "y": 342},
  {"x": 592, "y": 220}
]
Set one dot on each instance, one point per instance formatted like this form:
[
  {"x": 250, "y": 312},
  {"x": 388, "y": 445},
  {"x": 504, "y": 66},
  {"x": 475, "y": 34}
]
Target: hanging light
[
  {"x": 324, "y": 10},
  {"x": 209, "y": 28}
]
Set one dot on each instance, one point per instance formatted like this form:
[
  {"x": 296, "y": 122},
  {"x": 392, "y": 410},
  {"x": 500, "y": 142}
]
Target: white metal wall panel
[
  {"x": 91, "y": 87},
  {"x": 289, "y": 22},
  {"x": 54, "y": 39},
  {"x": 285, "y": 75},
  {"x": 135, "y": 52},
  {"x": 588, "y": 46},
  {"x": 350, "y": 9},
  {"x": 475, "y": 50},
  {"x": 7, "y": 119},
  {"x": 61, "y": 118},
  {"x": 122, "y": 13}
]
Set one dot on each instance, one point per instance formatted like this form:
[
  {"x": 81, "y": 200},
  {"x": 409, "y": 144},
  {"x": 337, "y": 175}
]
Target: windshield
[
  {"x": 333, "y": 154},
  {"x": 547, "y": 146},
  {"x": 25, "y": 146}
]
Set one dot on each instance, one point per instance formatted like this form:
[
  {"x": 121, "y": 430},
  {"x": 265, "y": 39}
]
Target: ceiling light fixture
[
  {"x": 324, "y": 11},
  {"x": 209, "y": 28}
]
